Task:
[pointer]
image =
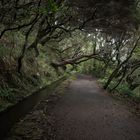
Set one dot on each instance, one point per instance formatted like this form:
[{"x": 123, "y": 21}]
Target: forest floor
[{"x": 84, "y": 112}]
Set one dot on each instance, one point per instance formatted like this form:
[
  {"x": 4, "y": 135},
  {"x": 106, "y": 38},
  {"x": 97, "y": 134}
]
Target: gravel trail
[{"x": 87, "y": 112}]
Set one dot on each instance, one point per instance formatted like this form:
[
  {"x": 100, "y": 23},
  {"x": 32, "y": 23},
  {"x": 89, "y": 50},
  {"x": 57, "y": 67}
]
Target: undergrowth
[
  {"x": 35, "y": 72},
  {"x": 122, "y": 90}
]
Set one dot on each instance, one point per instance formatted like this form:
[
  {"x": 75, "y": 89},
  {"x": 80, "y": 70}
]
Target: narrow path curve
[{"x": 86, "y": 112}]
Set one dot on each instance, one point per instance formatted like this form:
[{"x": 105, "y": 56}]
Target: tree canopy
[{"x": 76, "y": 31}]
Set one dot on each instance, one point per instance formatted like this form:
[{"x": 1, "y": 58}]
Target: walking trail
[
  {"x": 84, "y": 112},
  {"x": 87, "y": 112}
]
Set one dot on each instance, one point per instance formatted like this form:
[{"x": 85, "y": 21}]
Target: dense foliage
[{"x": 43, "y": 39}]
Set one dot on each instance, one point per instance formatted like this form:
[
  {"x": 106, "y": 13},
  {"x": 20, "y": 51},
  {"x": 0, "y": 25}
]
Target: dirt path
[{"x": 86, "y": 112}]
